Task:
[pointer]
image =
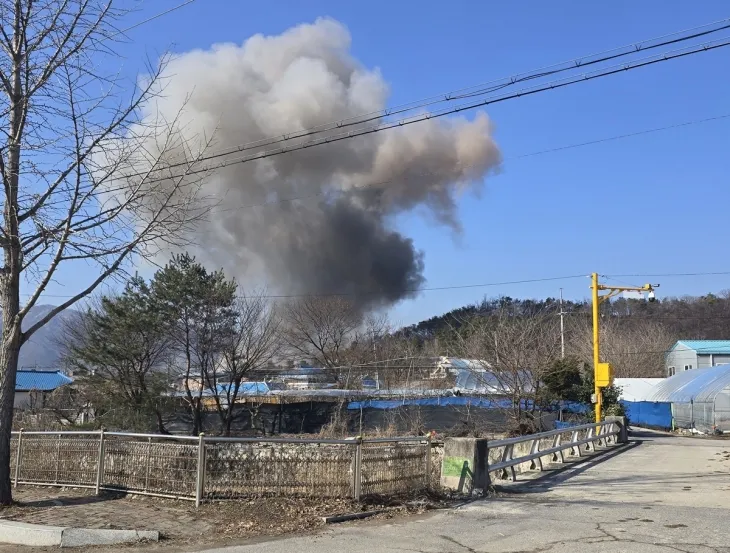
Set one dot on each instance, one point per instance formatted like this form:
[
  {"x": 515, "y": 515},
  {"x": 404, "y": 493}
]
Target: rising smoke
[{"x": 341, "y": 238}]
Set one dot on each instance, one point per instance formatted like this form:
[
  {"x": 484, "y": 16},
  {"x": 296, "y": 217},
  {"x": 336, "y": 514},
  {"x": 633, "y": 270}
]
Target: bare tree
[
  {"x": 321, "y": 330},
  {"x": 635, "y": 347},
  {"x": 251, "y": 345},
  {"x": 517, "y": 351},
  {"x": 87, "y": 180}
]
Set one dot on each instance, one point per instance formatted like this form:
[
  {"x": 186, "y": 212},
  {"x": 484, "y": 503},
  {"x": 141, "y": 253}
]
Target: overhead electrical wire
[
  {"x": 430, "y": 173},
  {"x": 482, "y": 89},
  {"x": 411, "y": 290},
  {"x": 644, "y": 62},
  {"x": 507, "y": 159},
  {"x": 724, "y": 24},
  {"x": 448, "y": 287},
  {"x": 152, "y": 18}
]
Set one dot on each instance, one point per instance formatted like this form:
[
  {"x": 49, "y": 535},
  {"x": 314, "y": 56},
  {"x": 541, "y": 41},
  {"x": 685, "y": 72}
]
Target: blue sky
[{"x": 649, "y": 204}]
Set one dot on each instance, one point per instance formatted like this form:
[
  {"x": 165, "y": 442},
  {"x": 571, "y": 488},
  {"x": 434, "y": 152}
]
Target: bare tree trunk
[
  {"x": 9, "y": 351},
  {"x": 10, "y": 277}
]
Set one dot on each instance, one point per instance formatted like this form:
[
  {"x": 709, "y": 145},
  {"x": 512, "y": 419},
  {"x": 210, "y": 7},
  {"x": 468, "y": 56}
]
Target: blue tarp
[
  {"x": 456, "y": 401},
  {"x": 652, "y": 414}
]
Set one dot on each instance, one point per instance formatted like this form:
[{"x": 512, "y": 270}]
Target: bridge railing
[{"x": 549, "y": 444}]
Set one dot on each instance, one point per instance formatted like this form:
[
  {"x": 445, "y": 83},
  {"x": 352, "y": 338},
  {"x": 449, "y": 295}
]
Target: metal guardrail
[
  {"x": 593, "y": 434},
  {"x": 200, "y": 468}
]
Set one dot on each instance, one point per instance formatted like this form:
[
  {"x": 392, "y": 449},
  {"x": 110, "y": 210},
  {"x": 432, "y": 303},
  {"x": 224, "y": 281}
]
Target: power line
[
  {"x": 453, "y": 287},
  {"x": 481, "y": 89},
  {"x": 622, "y": 136},
  {"x": 514, "y": 158},
  {"x": 424, "y": 174},
  {"x": 644, "y": 62},
  {"x": 426, "y": 117},
  {"x": 138, "y": 24},
  {"x": 410, "y": 290},
  {"x": 667, "y": 275}
]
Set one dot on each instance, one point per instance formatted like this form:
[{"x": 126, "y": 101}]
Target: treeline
[
  {"x": 190, "y": 339},
  {"x": 635, "y": 334}
]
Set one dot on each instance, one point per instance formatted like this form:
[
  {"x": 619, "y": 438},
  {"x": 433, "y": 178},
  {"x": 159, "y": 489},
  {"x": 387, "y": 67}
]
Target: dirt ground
[{"x": 180, "y": 524}]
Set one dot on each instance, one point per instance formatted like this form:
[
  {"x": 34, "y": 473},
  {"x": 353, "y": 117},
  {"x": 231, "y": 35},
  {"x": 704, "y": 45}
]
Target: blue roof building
[
  {"x": 32, "y": 385},
  {"x": 39, "y": 380},
  {"x": 686, "y": 355}
]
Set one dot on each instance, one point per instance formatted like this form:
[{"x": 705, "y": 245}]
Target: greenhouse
[{"x": 699, "y": 398}]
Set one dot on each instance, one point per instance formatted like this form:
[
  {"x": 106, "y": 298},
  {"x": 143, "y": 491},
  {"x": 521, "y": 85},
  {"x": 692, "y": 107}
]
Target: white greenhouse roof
[{"x": 697, "y": 385}]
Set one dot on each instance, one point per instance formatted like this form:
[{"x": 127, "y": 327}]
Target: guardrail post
[
  {"x": 100, "y": 463},
  {"x": 507, "y": 455},
  {"x": 590, "y": 446},
  {"x": 535, "y": 448},
  {"x": 357, "y": 470},
  {"x": 18, "y": 458},
  {"x": 558, "y": 455},
  {"x": 428, "y": 462},
  {"x": 575, "y": 450},
  {"x": 200, "y": 477}
]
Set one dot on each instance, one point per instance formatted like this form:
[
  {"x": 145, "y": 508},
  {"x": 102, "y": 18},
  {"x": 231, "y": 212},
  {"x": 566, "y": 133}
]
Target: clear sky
[{"x": 650, "y": 204}]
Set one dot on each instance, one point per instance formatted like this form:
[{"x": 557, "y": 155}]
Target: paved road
[{"x": 660, "y": 494}]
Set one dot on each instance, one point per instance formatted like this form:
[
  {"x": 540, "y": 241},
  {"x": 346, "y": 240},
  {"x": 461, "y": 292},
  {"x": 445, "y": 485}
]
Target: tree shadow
[{"x": 63, "y": 501}]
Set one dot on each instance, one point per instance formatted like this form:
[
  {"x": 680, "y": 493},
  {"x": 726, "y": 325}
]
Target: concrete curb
[{"x": 22, "y": 533}]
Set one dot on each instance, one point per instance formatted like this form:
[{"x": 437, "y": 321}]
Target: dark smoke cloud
[{"x": 342, "y": 238}]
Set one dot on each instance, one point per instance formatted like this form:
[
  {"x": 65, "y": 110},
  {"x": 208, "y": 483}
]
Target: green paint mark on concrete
[{"x": 454, "y": 466}]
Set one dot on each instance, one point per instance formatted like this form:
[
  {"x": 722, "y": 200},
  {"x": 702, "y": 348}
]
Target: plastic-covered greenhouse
[{"x": 700, "y": 398}]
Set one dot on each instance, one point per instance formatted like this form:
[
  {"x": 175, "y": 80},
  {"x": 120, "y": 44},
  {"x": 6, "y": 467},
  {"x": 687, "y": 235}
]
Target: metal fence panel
[
  {"x": 159, "y": 467},
  {"x": 395, "y": 468},
  {"x": 280, "y": 469},
  {"x": 58, "y": 459}
]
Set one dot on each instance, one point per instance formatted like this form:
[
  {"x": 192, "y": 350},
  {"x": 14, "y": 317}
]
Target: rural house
[
  {"x": 32, "y": 386},
  {"x": 686, "y": 355}
]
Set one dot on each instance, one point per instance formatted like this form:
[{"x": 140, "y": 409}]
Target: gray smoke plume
[{"x": 340, "y": 238}]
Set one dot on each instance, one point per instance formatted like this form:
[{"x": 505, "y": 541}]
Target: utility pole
[
  {"x": 603, "y": 372},
  {"x": 562, "y": 327}
]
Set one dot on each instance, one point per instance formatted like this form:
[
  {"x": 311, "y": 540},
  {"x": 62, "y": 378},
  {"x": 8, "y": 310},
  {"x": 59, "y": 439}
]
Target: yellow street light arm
[{"x": 602, "y": 371}]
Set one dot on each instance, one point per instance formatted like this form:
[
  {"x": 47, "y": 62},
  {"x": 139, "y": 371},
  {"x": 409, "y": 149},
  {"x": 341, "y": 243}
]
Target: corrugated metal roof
[
  {"x": 246, "y": 388},
  {"x": 44, "y": 381},
  {"x": 706, "y": 346},
  {"x": 698, "y": 385}
]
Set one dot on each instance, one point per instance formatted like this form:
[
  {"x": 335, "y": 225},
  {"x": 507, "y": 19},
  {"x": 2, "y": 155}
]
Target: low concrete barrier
[{"x": 37, "y": 535}]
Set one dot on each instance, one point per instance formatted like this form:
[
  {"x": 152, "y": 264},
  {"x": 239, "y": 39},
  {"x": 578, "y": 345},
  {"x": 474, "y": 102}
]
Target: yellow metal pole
[{"x": 596, "y": 357}]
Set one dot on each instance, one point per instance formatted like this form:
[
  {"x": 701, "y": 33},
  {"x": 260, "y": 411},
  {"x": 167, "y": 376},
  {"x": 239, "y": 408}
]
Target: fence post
[
  {"x": 100, "y": 463},
  {"x": 18, "y": 458},
  {"x": 357, "y": 472},
  {"x": 147, "y": 465},
  {"x": 200, "y": 479},
  {"x": 428, "y": 461},
  {"x": 58, "y": 459}
]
